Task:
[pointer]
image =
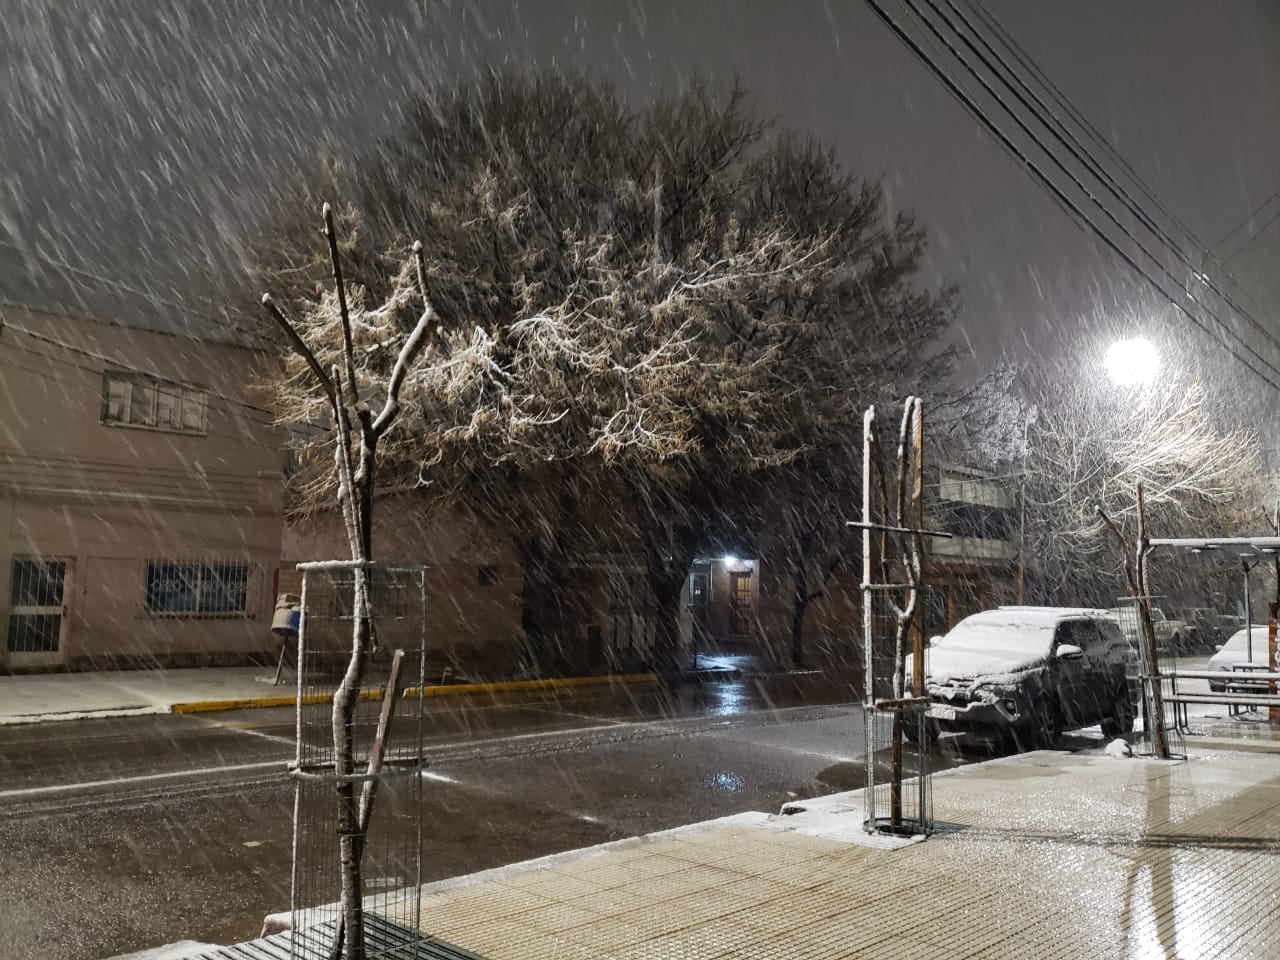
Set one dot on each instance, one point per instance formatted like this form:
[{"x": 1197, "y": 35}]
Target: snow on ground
[
  {"x": 1119, "y": 747},
  {"x": 173, "y": 951}
]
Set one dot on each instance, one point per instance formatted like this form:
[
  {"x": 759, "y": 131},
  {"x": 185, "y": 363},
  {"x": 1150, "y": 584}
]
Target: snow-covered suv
[{"x": 1028, "y": 673}]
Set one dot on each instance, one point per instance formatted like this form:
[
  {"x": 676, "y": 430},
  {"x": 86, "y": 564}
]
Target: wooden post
[{"x": 377, "y": 755}]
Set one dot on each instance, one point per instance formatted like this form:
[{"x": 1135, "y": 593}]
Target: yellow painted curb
[
  {"x": 508, "y": 686},
  {"x": 249, "y": 703},
  {"x": 438, "y": 690}
]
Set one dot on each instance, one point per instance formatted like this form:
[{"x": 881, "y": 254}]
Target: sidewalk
[
  {"x": 1046, "y": 855},
  {"x": 51, "y": 697}
]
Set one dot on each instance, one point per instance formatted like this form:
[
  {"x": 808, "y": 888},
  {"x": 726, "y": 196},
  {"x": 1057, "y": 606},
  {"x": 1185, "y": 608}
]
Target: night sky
[{"x": 141, "y": 138}]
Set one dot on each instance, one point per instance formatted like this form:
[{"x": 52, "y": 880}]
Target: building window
[
  {"x": 197, "y": 588},
  {"x": 392, "y": 594},
  {"x": 487, "y": 576},
  {"x": 137, "y": 400}
]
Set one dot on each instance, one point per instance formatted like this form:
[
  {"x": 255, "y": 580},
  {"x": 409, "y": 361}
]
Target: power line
[
  {"x": 1257, "y": 233},
  {"x": 1027, "y": 62},
  {"x": 211, "y": 397},
  {"x": 1246, "y": 221},
  {"x": 1080, "y": 217},
  {"x": 1082, "y": 155},
  {"x": 116, "y": 364},
  {"x": 1080, "y": 184},
  {"x": 123, "y": 287}
]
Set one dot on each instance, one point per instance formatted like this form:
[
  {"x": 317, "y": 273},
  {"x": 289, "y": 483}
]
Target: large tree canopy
[{"x": 657, "y": 319}]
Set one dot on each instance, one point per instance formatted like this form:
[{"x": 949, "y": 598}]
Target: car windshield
[{"x": 1008, "y": 632}]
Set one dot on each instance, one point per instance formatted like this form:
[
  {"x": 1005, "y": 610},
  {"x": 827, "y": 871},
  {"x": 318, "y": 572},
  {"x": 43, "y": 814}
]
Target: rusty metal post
[
  {"x": 917, "y": 512},
  {"x": 869, "y": 673},
  {"x": 1273, "y": 713},
  {"x": 1159, "y": 738}
]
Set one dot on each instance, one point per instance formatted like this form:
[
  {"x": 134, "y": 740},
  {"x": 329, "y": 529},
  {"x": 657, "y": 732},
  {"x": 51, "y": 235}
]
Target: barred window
[
  {"x": 392, "y": 593},
  {"x": 197, "y": 588},
  {"x": 137, "y": 400}
]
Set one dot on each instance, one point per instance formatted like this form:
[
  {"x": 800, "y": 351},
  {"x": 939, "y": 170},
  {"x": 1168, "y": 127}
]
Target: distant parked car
[
  {"x": 1206, "y": 628},
  {"x": 1173, "y": 637},
  {"x": 1236, "y": 651},
  {"x": 1028, "y": 673}
]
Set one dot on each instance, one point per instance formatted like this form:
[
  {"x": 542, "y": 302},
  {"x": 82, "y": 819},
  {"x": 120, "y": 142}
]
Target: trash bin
[{"x": 288, "y": 615}]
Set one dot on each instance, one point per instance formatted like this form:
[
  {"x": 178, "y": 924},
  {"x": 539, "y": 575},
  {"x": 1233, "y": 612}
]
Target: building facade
[
  {"x": 748, "y": 604},
  {"x": 140, "y": 496}
]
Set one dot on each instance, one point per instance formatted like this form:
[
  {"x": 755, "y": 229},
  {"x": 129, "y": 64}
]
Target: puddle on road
[{"x": 725, "y": 782}]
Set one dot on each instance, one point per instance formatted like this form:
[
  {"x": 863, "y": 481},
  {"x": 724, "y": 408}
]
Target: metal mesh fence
[
  {"x": 387, "y": 782},
  {"x": 898, "y": 797}
]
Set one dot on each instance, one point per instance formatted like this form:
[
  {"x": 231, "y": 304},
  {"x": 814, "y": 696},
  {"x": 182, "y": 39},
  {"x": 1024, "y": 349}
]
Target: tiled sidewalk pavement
[{"x": 1044, "y": 855}]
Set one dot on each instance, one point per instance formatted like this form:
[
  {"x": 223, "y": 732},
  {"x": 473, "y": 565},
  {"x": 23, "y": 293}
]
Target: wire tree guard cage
[
  {"x": 387, "y": 749},
  {"x": 1142, "y": 679},
  {"x": 898, "y": 789}
]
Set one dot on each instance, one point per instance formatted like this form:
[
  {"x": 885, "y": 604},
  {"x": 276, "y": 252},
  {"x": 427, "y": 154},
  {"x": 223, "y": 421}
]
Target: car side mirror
[
  {"x": 1219, "y": 646},
  {"x": 935, "y": 640},
  {"x": 1069, "y": 651}
]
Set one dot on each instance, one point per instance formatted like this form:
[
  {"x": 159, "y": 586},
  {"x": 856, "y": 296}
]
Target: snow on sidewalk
[
  {"x": 43, "y": 697},
  {"x": 1019, "y": 838}
]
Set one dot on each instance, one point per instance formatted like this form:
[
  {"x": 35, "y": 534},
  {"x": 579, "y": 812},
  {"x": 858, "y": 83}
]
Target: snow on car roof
[{"x": 1040, "y": 614}]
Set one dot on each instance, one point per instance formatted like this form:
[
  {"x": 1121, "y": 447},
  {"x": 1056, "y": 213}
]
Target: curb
[
  {"x": 104, "y": 713},
  {"x": 438, "y": 690}
]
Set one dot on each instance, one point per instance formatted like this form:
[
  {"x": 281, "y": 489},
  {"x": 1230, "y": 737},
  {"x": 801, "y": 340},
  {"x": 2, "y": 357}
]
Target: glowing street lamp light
[{"x": 1132, "y": 363}]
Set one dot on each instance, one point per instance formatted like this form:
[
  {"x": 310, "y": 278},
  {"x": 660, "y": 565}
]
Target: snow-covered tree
[
  {"x": 1091, "y": 443},
  {"x": 655, "y": 318},
  {"x": 323, "y": 373}
]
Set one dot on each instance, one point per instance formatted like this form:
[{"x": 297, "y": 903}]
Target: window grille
[{"x": 192, "y": 588}]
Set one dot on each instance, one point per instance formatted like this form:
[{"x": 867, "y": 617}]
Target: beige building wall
[
  {"x": 473, "y": 582},
  {"x": 105, "y": 500}
]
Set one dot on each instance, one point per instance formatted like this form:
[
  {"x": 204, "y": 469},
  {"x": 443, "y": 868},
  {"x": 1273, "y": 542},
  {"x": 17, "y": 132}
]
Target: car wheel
[
  {"x": 1217, "y": 687},
  {"x": 1048, "y": 729},
  {"x": 912, "y": 732}
]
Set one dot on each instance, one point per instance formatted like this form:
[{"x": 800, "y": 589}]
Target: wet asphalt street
[{"x": 116, "y": 835}]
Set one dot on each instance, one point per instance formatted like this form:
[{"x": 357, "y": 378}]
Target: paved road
[{"x": 121, "y": 834}]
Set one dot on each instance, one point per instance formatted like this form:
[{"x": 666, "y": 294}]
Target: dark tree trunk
[
  {"x": 550, "y": 610},
  {"x": 802, "y": 597},
  {"x": 541, "y": 607},
  {"x": 797, "y": 621},
  {"x": 666, "y": 585}
]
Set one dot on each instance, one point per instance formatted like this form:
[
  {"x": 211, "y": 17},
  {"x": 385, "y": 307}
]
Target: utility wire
[
  {"x": 134, "y": 291},
  {"x": 1246, "y": 221},
  {"x": 1257, "y": 233},
  {"x": 116, "y": 364},
  {"x": 1082, "y": 155},
  {"x": 1019, "y": 53},
  {"x": 1079, "y": 216},
  {"x": 212, "y": 397}
]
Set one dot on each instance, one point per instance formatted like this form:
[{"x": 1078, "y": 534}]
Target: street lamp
[{"x": 1132, "y": 362}]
